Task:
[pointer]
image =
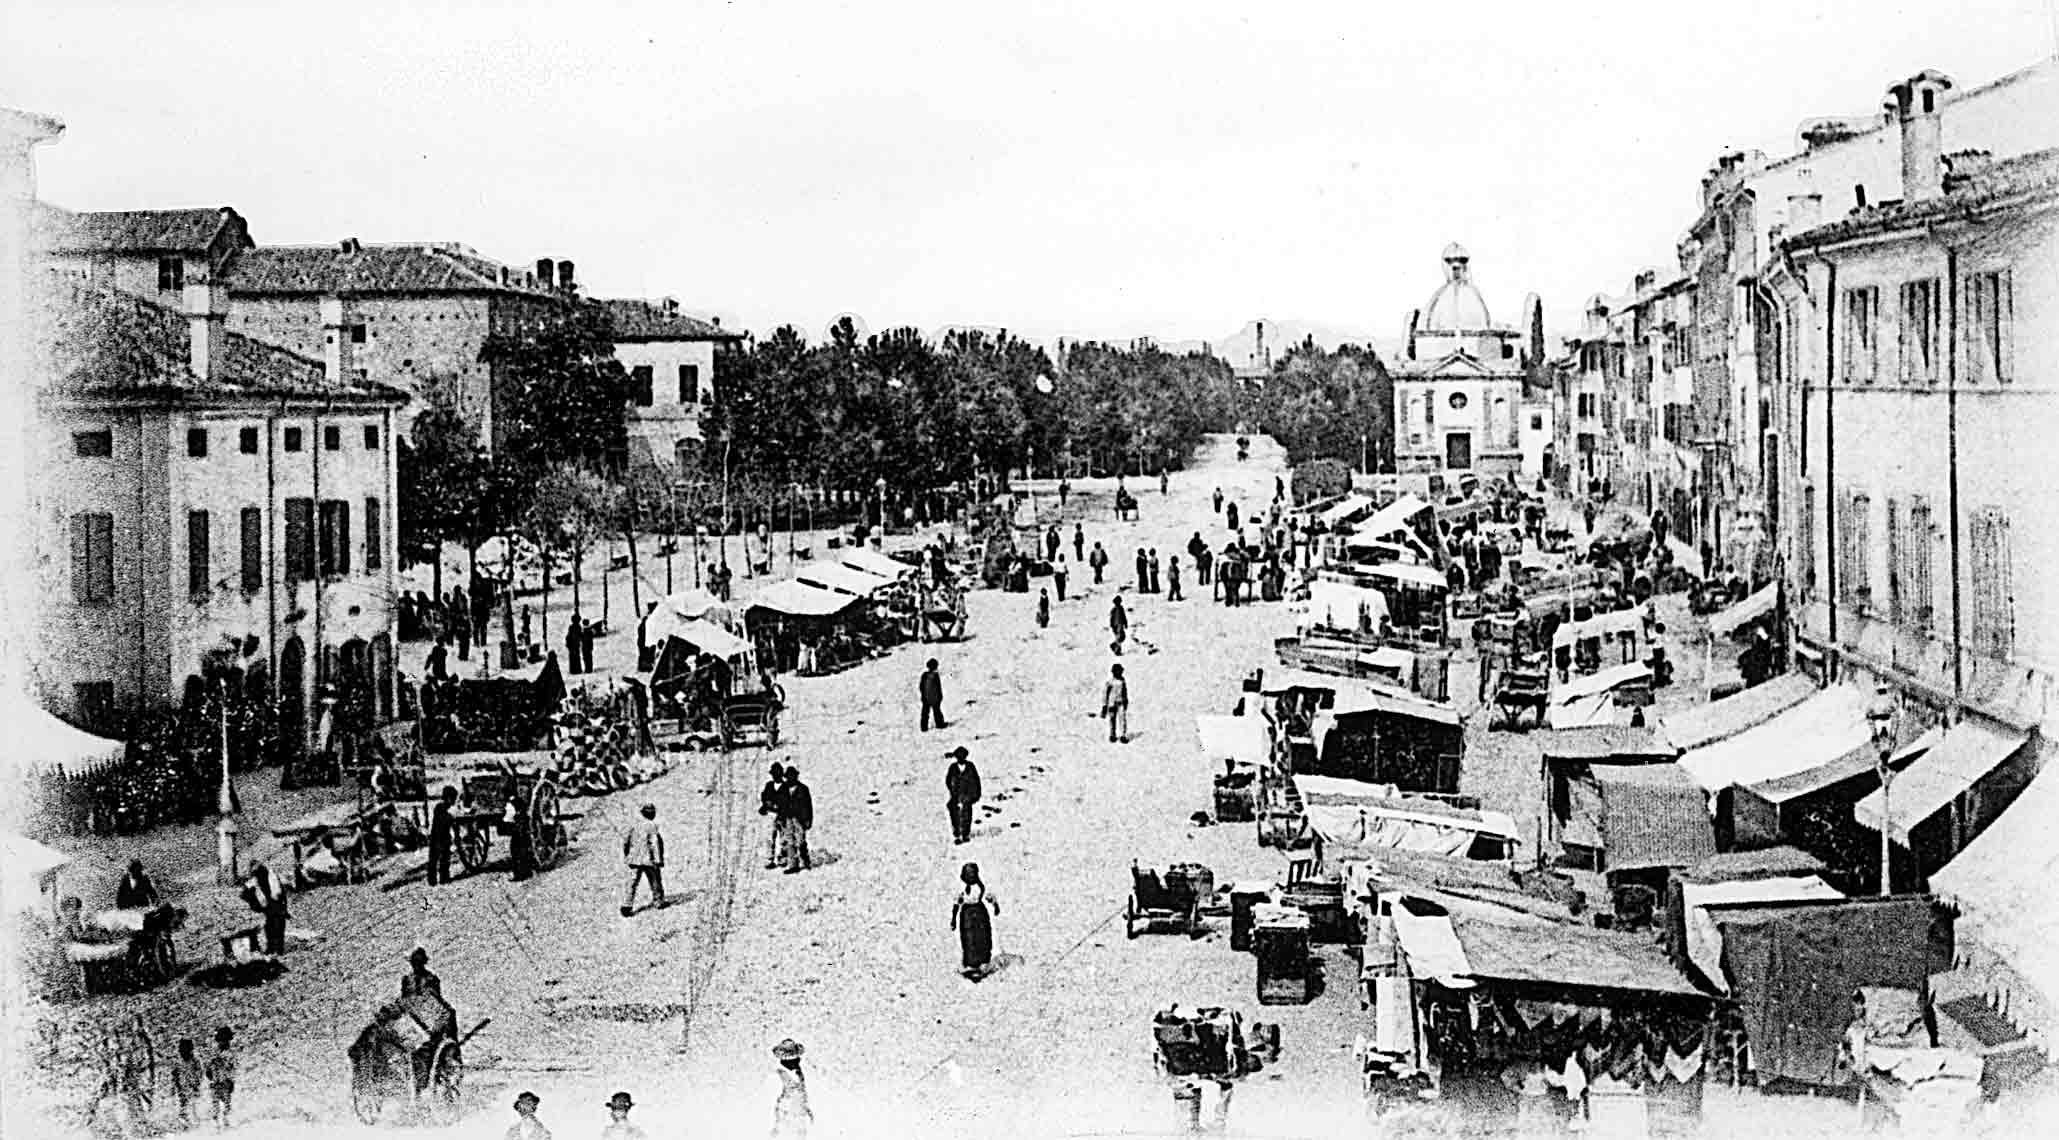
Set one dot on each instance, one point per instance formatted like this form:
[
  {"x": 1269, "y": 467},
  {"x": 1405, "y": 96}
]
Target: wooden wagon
[{"x": 524, "y": 806}]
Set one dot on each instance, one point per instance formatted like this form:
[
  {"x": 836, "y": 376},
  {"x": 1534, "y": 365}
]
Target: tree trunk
[
  {"x": 635, "y": 573},
  {"x": 544, "y": 610},
  {"x": 578, "y": 562},
  {"x": 607, "y": 572},
  {"x": 436, "y": 585},
  {"x": 507, "y": 613}
]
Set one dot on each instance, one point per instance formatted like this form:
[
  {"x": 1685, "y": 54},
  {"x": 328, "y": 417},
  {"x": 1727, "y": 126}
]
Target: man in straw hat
[
  {"x": 619, "y": 1127},
  {"x": 790, "y": 1112},
  {"x": 526, "y": 1126}
]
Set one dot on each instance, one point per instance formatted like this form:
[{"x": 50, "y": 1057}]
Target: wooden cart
[
  {"x": 411, "y": 1053},
  {"x": 1174, "y": 901},
  {"x": 1524, "y": 685},
  {"x": 509, "y": 803},
  {"x": 127, "y": 948},
  {"x": 335, "y": 832},
  {"x": 1280, "y": 942}
]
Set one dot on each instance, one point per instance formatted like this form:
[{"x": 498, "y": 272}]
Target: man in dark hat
[
  {"x": 961, "y": 789},
  {"x": 526, "y": 1126},
  {"x": 619, "y": 1127},
  {"x": 442, "y": 836},
  {"x": 796, "y": 816},
  {"x": 135, "y": 891},
  {"x": 768, "y": 806},
  {"x": 418, "y": 979},
  {"x": 931, "y": 690}
]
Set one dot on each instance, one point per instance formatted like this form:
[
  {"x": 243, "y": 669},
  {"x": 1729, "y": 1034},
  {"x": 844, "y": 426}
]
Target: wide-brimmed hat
[
  {"x": 527, "y": 1097},
  {"x": 788, "y": 1050},
  {"x": 621, "y": 1101},
  {"x": 958, "y": 753}
]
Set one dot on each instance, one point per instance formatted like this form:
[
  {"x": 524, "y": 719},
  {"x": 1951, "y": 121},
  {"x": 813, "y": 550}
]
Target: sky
[{"x": 1100, "y": 169}]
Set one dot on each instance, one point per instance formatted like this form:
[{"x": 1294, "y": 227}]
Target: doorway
[{"x": 1458, "y": 450}]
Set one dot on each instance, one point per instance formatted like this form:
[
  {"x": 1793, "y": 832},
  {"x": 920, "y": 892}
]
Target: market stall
[
  {"x": 1356, "y": 729},
  {"x": 810, "y": 630},
  {"x": 1351, "y": 817}
]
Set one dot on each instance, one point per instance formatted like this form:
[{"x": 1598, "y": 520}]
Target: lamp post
[
  {"x": 879, "y": 486},
  {"x": 226, "y": 803},
  {"x": 1880, "y": 718}
]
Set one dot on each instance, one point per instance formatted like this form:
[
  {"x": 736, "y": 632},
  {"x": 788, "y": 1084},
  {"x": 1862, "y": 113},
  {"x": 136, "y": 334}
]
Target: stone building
[
  {"x": 204, "y": 502},
  {"x": 416, "y": 316},
  {"x": 1459, "y": 386},
  {"x": 671, "y": 359}
]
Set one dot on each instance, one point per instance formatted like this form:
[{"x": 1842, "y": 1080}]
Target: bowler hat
[
  {"x": 787, "y": 1050},
  {"x": 528, "y": 1098},
  {"x": 621, "y": 1101},
  {"x": 958, "y": 753}
]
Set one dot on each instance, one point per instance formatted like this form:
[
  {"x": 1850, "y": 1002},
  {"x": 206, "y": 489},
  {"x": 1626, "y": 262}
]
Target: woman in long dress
[{"x": 972, "y": 917}]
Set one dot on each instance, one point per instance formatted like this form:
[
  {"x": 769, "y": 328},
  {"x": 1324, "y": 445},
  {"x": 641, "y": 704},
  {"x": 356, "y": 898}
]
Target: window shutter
[
  {"x": 199, "y": 560},
  {"x": 253, "y": 524},
  {"x": 82, "y": 558}
]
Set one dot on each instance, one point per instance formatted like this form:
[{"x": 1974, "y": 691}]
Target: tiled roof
[
  {"x": 99, "y": 342},
  {"x": 637, "y": 319},
  {"x": 139, "y": 231},
  {"x": 361, "y": 269},
  {"x": 2022, "y": 178}
]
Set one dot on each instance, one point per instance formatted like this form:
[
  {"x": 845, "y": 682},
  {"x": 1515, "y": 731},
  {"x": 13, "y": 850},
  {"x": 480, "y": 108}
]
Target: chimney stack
[
  {"x": 543, "y": 273},
  {"x": 207, "y": 319},
  {"x": 1917, "y": 101},
  {"x": 1803, "y": 212},
  {"x": 338, "y": 354},
  {"x": 565, "y": 276}
]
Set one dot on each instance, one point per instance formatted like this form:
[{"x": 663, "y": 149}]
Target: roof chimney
[
  {"x": 1803, "y": 212},
  {"x": 349, "y": 245},
  {"x": 671, "y": 306},
  {"x": 543, "y": 272},
  {"x": 1917, "y": 101},
  {"x": 565, "y": 276},
  {"x": 339, "y": 356},
  {"x": 207, "y": 320}
]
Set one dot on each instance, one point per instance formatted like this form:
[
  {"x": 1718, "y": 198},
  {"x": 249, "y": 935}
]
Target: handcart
[
  {"x": 505, "y": 802},
  {"x": 1524, "y": 685},
  {"x": 410, "y": 1054},
  {"x": 752, "y": 716},
  {"x": 127, "y": 948},
  {"x": 1174, "y": 901},
  {"x": 1205, "y": 1043},
  {"x": 1280, "y": 942}
]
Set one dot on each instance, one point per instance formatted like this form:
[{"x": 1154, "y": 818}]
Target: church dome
[{"x": 1456, "y": 306}]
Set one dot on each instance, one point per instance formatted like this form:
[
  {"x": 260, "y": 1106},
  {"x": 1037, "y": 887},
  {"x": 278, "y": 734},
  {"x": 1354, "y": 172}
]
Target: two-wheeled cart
[
  {"x": 517, "y": 804},
  {"x": 411, "y": 1054}
]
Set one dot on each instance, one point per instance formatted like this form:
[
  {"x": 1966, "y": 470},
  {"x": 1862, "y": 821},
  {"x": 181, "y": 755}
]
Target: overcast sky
[{"x": 1108, "y": 168}]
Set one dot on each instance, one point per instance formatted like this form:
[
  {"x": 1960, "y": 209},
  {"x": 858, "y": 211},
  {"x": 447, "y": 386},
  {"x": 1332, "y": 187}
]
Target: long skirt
[{"x": 975, "y": 936}]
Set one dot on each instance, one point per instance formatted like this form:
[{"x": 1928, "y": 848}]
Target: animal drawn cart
[
  {"x": 1174, "y": 901},
  {"x": 1205, "y": 1043},
  {"x": 520, "y": 805},
  {"x": 1524, "y": 685},
  {"x": 410, "y": 1054},
  {"x": 126, "y": 948}
]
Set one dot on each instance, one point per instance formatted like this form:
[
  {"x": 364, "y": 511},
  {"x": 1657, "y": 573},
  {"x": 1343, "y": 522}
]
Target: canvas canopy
[
  {"x": 1586, "y": 712},
  {"x": 1652, "y": 815},
  {"x": 1758, "y": 605},
  {"x": 1406, "y": 824},
  {"x": 1366, "y": 699},
  {"x": 1393, "y": 517},
  {"x": 1719, "y": 720},
  {"x": 1608, "y": 744},
  {"x": 1411, "y": 574},
  {"x": 1240, "y": 738},
  {"x": 1607, "y": 625},
  {"x": 42, "y": 740},
  {"x": 2001, "y": 884},
  {"x": 798, "y": 599},
  {"x": 1472, "y": 944},
  {"x": 709, "y": 638},
  {"x": 1965, "y": 753},
  {"x": 1819, "y": 731},
  {"x": 1603, "y": 681},
  {"x": 873, "y": 562},
  {"x": 1704, "y": 938},
  {"x": 686, "y": 606},
  {"x": 843, "y": 579},
  {"x": 1342, "y": 605},
  {"x": 1344, "y": 510}
]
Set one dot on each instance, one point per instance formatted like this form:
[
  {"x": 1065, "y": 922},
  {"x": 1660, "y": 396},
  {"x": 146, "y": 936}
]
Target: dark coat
[
  {"x": 932, "y": 687},
  {"x": 961, "y": 782},
  {"x": 798, "y": 804}
]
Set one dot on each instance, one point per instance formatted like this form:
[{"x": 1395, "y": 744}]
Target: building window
[
  {"x": 300, "y": 539},
  {"x": 1915, "y": 587},
  {"x": 1862, "y": 335},
  {"x": 1808, "y": 543},
  {"x": 293, "y": 439},
  {"x": 196, "y": 443},
  {"x": 1852, "y": 552},
  {"x": 371, "y": 437},
  {"x": 1536, "y": 421},
  {"x": 199, "y": 573},
  {"x": 335, "y": 549},
  {"x": 1919, "y": 331},
  {"x": 246, "y": 441},
  {"x": 1988, "y": 347},
  {"x": 92, "y": 559},
  {"x": 1994, "y": 602},
  {"x": 640, "y": 385},
  {"x": 689, "y": 384},
  {"x": 253, "y": 522},
  {"x": 332, "y": 439},
  {"x": 1585, "y": 404},
  {"x": 171, "y": 274},
  {"x": 1458, "y": 401},
  {"x": 92, "y": 444},
  {"x": 373, "y": 537},
  {"x": 357, "y": 334}
]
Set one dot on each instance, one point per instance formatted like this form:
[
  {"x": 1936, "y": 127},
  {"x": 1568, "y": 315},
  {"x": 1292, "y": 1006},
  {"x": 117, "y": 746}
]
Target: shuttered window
[
  {"x": 335, "y": 535},
  {"x": 1852, "y": 556},
  {"x": 1861, "y": 335},
  {"x": 300, "y": 540},
  {"x": 199, "y": 555},
  {"x": 92, "y": 558},
  {"x": 1988, "y": 326},
  {"x": 373, "y": 535},
  {"x": 1989, "y": 569},
  {"x": 1920, "y": 604},
  {"x": 253, "y": 525},
  {"x": 1919, "y": 331}
]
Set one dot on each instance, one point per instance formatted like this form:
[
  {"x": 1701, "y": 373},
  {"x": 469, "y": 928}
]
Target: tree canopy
[{"x": 1329, "y": 405}]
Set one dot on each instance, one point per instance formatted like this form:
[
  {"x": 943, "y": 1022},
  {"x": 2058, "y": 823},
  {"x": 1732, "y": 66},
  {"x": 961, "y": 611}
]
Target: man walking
[
  {"x": 442, "y": 833},
  {"x": 438, "y": 664},
  {"x": 797, "y": 815},
  {"x": 1115, "y": 706},
  {"x": 1051, "y": 543},
  {"x": 1172, "y": 570},
  {"x": 1097, "y": 561},
  {"x": 1043, "y": 608},
  {"x": 1118, "y": 624},
  {"x": 1058, "y": 572},
  {"x": 961, "y": 790},
  {"x": 643, "y": 848},
  {"x": 460, "y": 618},
  {"x": 931, "y": 688},
  {"x": 768, "y": 806},
  {"x": 1230, "y": 516},
  {"x": 1079, "y": 543}
]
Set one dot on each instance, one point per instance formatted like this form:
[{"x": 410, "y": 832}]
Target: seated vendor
[{"x": 135, "y": 891}]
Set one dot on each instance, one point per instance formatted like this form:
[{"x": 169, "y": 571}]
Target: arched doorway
[
  {"x": 382, "y": 675},
  {"x": 356, "y": 698},
  {"x": 293, "y": 698}
]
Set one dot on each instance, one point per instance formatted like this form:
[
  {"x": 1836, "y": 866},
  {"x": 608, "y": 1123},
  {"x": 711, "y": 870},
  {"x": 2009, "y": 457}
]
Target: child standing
[
  {"x": 186, "y": 1081},
  {"x": 221, "y": 1076}
]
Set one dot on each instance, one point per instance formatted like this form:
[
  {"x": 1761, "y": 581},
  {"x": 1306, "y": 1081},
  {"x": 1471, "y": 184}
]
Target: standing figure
[
  {"x": 1230, "y": 515},
  {"x": 460, "y": 618},
  {"x": 1143, "y": 573},
  {"x": 521, "y": 845},
  {"x": 1118, "y": 623},
  {"x": 619, "y": 1127},
  {"x": 790, "y": 1113},
  {"x": 221, "y": 1077},
  {"x": 527, "y": 616},
  {"x": 768, "y": 806},
  {"x": 643, "y": 848},
  {"x": 264, "y": 895},
  {"x": 420, "y": 979},
  {"x": 1058, "y": 571},
  {"x": 1115, "y": 706},
  {"x": 438, "y": 664},
  {"x": 572, "y": 654},
  {"x": 1151, "y": 568},
  {"x": 1218, "y": 500},
  {"x": 526, "y": 1126},
  {"x": 1079, "y": 542},
  {"x": 1064, "y": 492},
  {"x": 135, "y": 891},
  {"x": 1052, "y": 542},
  {"x": 1164, "y": 483},
  {"x": 797, "y": 815},
  {"x": 442, "y": 836},
  {"x": 931, "y": 690},
  {"x": 972, "y": 916},
  {"x": 961, "y": 792},
  {"x": 1043, "y": 608},
  {"x": 1097, "y": 561},
  {"x": 186, "y": 1081},
  {"x": 1172, "y": 570}
]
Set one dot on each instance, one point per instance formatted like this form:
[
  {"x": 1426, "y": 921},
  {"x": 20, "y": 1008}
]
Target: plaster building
[
  {"x": 670, "y": 358},
  {"x": 20, "y": 133},
  {"x": 204, "y": 502},
  {"x": 1588, "y": 385},
  {"x": 1459, "y": 387},
  {"x": 416, "y": 316}
]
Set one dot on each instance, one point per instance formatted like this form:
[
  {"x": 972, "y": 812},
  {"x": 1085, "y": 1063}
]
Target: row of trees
[{"x": 1329, "y": 405}]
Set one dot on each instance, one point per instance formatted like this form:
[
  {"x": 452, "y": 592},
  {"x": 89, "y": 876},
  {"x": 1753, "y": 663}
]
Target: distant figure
[
  {"x": 972, "y": 916},
  {"x": 1164, "y": 482},
  {"x": 1058, "y": 572},
  {"x": 961, "y": 791},
  {"x": 135, "y": 891},
  {"x": 1172, "y": 573},
  {"x": 1143, "y": 573},
  {"x": 221, "y": 1077},
  {"x": 1218, "y": 500},
  {"x": 791, "y": 1115},
  {"x": 1151, "y": 569},
  {"x": 797, "y": 814},
  {"x": 526, "y": 1126},
  {"x": 1043, "y": 608},
  {"x": 1064, "y": 492},
  {"x": 643, "y": 848},
  {"x": 1118, "y": 623},
  {"x": 1079, "y": 541},
  {"x": 574, "y": 659},
  {"x": 1230, "y": 515},
  {"x": 619, "y": 1127},
  {"x": 1097, "y": 561},
  {"x": 442, "y": 836},
  {"x": 460, "y": 618},
  {"x": 1115, "y": 706},
  {"x": 186, "y": 1081},
  {"x": 931, "y": 691},
  {"x": 438, "y": 665},
  {"x": 768, "y": 806},
  {"x": 419, "y": 980}
]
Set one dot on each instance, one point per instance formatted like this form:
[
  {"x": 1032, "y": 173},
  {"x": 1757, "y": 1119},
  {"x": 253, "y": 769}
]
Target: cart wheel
[
  {"x": 618, "y": 774},
  {"x": 472, "y": 848},
  {"x": 367, "y": 1100},
  {"x": 1194, "y": 920},
  {"x": 546, "y": 828},
  {"x": 1129, "y": 918},
  {"x": 446, "y": 1083}
]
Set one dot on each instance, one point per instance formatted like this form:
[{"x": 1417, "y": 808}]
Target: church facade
[{"x": 1459, "y": 401}]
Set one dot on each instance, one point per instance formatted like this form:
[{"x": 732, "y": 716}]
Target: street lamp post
[
  {"x": 880, "y": 486},
  {"x": 1880, "y": 718}
]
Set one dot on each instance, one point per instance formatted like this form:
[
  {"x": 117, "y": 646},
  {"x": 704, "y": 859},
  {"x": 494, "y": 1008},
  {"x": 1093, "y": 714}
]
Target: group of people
[
  {"x": 456, "y": 617},
  {"x": 788, "y": 1086},
  {"x": 790, "y": 807}
]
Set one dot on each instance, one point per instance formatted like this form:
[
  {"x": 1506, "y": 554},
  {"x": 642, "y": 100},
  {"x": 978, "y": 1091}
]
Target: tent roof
[
  {"x": 1600, "y": 625},
  {"x": 1390, "y": 518},
  {"x": 1821, "y": 730},
  {"x": 42, "y": 740},
  {"x": 1344, "y": 509},
  {"x": 26, "y": 857},
  {"x": 1758, "y": 605},
  {"x": 1363, "y": 699},
  {"x": 1567, "y": 954},
  {"x": 1234, "y": 738},
  {"x": 1719, "y": 720},
  {"x": 843, "y": 579},
  {"x": 1410, "y": 573},
  {"x": 797, "y": 599},
  {"x": 1591, "y": 711},
  {"x": 1593, "y": 684},
  {"x": 1704, "y": 938},
  {"x": 873, "y": 562},
  {"x": 1656, "y": 817},
  {"x": 1766, "y": 861},
  {"x": 709, "y": 638},
  {"x": 2002, "y": 885},
  {"x": 1611, "y": 743},
  {"x": 1967, "y": 752}
]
